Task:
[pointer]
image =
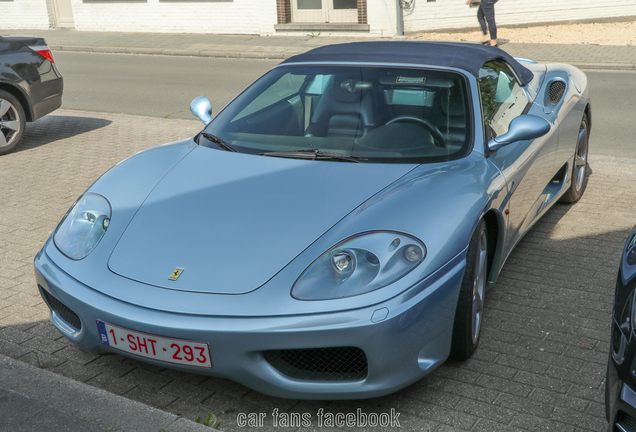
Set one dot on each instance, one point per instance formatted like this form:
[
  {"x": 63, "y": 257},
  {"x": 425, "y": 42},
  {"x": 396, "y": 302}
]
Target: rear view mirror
[
  {"x": 524, "y": 127},
  {"x": 202, "y": 109}
]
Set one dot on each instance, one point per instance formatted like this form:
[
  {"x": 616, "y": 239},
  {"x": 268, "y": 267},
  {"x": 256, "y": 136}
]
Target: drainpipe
[{"x": 400, "y": 18}]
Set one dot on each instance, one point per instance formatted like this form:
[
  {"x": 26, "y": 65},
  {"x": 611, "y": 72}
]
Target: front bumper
[
  {"x": 620, "y": 384},
  {"x": 402, "y": 339},
  {"x": 620, "y": 402}
]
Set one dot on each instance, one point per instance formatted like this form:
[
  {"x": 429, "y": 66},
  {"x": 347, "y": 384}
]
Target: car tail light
[{"x": 45, "y": 52}]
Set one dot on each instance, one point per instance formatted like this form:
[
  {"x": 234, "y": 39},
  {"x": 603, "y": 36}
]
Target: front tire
[
  {"x": 577, "y": 186},
  {"x": 12, "y": 122},
  {"x": 470, "y": 307}
]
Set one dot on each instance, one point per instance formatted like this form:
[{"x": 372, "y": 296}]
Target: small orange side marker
[{"x": 507, "y": 212}]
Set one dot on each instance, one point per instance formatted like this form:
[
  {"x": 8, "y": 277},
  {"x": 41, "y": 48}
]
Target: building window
[{"x": 284, "y": 8}]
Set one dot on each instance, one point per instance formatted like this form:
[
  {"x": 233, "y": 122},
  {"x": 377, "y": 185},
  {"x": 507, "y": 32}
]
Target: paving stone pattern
[{"x": 541, "y": 363}]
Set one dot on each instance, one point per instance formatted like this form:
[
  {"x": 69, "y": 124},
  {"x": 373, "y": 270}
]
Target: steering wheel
[{"x": 438, "y": 138}]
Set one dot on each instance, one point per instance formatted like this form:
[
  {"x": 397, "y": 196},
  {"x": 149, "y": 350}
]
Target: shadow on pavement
[{"x": 53, "y": 128}]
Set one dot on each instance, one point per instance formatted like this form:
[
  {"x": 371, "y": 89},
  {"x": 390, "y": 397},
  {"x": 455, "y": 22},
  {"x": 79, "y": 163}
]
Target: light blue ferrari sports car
[{"x": 332, "y": 232}]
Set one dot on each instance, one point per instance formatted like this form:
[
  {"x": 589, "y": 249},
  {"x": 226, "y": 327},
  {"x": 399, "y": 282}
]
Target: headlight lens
[
  {"x": 359, "y": 265},
  {"x": 83, "y": 226}
]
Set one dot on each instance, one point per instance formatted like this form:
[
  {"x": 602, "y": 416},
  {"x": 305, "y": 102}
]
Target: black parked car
[
  {"x": 30, "y": 86},
  {"x": 620, "y": 385}
]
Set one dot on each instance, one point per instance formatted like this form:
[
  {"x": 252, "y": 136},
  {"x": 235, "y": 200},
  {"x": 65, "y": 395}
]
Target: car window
[
  {"x": 285, "y": 87},
  {"x": 377, "y": 114},
  {"x": 502, "y": 97}
]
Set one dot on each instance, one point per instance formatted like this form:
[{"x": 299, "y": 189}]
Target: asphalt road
[
  {"x": 613, "y": 113},
  {"x": 157, "y": 86},
  {"x": 162, "y": 86}
]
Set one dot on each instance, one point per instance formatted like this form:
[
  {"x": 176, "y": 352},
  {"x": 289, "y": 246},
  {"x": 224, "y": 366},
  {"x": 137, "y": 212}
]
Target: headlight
[
  {"x": 83, "y": 226},
  {"x": 358, "y": 265}
]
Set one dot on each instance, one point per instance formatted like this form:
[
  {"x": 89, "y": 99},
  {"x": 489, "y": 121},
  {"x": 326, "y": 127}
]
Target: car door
[{"x": 528, "y": 166}]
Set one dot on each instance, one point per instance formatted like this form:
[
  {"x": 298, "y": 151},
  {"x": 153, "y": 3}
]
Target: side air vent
[{"x": 556, "y": 90}]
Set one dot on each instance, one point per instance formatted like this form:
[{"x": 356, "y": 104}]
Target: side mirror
[
  {"x": 524, "y": 127},
  {"x": 202, "y": 108}
]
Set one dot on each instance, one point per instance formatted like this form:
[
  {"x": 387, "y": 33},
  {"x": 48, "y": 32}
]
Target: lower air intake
[
  {"x": 328, "y": 364},
  {"x": 62, "y": 310}
]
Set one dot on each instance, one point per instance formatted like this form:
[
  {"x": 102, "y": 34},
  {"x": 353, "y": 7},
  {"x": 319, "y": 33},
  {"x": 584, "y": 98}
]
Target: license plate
[{"x": 168, "y": 350}]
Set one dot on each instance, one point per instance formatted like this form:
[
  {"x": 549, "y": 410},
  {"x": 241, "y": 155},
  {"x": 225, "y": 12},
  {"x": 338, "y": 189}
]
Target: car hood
[{"x": 232, "y": 221}]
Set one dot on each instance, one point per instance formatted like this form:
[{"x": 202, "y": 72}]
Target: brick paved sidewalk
[
  {"x": 281, "y": 47},
  {"x": 541, "y": 364}
]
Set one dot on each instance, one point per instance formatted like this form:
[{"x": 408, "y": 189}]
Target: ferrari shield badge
[{"x": 175, "y": 274}]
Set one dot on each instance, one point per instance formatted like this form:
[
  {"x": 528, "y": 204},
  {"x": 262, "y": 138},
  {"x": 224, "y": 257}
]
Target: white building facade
[{"x": 376, "y": 18}]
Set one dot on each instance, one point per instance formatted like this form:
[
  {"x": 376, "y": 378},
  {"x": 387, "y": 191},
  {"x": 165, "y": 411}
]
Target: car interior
[{"x": 376, "y": 113}]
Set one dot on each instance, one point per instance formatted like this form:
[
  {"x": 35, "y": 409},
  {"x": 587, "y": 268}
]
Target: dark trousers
[{"x": 486, "y": 14}]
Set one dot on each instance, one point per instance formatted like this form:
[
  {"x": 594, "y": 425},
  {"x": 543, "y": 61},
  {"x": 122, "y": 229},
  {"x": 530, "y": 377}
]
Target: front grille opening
[
  {"x": 557, "y": 88},
  {"x": 62, "y": 310},
  {"x": 329, "y": 364},
  {"x": 625, "y": 422}
]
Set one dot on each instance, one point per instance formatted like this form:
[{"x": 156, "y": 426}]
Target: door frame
[
  {"x": 326, "y": 14},
  {"x": 63, "y": 14}
]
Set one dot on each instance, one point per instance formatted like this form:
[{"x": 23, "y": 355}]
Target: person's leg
[
  {"x": 482, "y": 22},
  {"x": 488, "y": 10}
]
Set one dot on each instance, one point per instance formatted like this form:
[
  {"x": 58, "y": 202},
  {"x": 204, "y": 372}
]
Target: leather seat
[{"x": 345, "y": 110}]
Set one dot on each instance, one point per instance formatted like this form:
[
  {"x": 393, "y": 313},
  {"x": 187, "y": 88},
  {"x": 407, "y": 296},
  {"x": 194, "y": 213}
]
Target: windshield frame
[{"x": 232, "y": 111}]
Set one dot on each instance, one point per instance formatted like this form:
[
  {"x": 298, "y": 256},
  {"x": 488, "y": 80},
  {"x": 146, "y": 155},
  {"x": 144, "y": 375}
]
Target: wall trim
[{"x": 326, "y": 27}]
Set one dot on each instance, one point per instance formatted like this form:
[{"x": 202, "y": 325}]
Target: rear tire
[
  {"x": 470, "y": 307},
  {"x": 12, "y": 122},
  {"x": 579, "y": 168}
]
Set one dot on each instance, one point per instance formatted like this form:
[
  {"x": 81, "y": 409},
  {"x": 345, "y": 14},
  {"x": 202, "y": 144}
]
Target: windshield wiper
[
  {"x": 313, "y": 154},
  {"x": 218, "y": 141}
]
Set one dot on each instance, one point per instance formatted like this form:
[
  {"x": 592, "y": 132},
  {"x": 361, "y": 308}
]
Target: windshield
[{"x": 369, "y": 114}]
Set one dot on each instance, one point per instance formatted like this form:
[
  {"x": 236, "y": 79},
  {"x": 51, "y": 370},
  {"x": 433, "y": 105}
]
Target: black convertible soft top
[{"x": 467, "y": 56}]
